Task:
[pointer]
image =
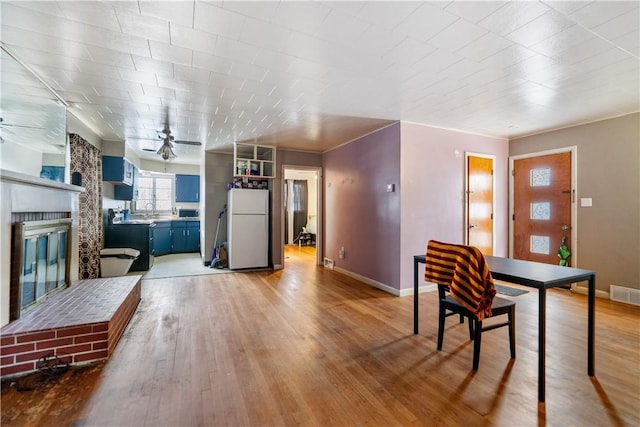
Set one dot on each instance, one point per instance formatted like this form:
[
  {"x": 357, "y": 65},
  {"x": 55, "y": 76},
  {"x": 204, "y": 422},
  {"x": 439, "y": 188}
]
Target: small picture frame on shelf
[{"x": 254, "y": 168}]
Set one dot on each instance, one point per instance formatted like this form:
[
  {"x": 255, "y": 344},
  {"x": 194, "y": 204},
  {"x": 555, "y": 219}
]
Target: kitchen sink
[{"x": 138, "y": 221}]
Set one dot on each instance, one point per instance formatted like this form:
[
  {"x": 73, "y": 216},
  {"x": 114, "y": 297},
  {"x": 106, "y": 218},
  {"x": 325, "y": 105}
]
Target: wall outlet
[
  {"x": 328, "y": 263},
  {"x": 342, "y": 254}
]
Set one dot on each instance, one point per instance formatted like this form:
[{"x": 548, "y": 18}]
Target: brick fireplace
[
  {"x": 80, "y": 323},
  {"x": 24, "y": 199}
]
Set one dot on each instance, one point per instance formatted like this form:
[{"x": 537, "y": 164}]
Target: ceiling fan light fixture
[{"x": 166, "y": 150}]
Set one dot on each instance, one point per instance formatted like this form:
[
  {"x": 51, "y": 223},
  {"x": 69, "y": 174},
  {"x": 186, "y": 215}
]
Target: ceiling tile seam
[
  {"x": 33, "y": 73},
  {"x": 595, "y": 33}
]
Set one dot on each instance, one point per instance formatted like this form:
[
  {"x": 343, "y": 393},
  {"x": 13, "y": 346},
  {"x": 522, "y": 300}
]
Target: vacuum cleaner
[{"x": 216, "y": 261}]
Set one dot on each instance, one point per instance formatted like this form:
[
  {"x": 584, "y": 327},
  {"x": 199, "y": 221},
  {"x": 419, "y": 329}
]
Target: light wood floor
[{"x": 308, "y": 346}]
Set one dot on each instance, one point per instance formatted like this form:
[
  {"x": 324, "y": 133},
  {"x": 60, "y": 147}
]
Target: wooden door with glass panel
[{"x": 542, "y": 208}]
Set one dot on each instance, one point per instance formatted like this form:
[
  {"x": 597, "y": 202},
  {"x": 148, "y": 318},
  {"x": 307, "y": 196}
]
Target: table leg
[
  {"x": 542, "y": 331},
  {"x": 591, "y": 326},
  {"x": 415, "y": 297}
]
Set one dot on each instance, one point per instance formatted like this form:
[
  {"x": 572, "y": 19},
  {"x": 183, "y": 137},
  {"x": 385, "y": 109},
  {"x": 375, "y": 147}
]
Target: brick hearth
[{"x": 83, "y": 322}]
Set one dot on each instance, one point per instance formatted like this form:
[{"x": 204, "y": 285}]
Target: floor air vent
[
  {"x": 328, "y": 262},
  {"x": 623, "y": 294}
]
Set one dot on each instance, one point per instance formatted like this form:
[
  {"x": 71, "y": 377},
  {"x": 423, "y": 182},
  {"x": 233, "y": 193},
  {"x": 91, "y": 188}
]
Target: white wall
[
  {"x": 18, "y": 158},
  {"x": 74, "y": 125},
  {"x": 49, "y": 159}
]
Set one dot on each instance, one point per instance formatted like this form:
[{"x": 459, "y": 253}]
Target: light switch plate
[{"x": 586, "y": 202}]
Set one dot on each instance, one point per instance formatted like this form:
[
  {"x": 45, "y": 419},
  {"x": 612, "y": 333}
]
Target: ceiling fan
[{"x": 166, "y": 149}]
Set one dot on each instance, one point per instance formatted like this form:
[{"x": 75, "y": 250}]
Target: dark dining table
[{"x": 542, "y": 277}]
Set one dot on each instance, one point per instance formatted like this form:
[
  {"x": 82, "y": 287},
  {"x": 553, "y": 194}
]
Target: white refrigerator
[{"x": 248, "y": 228}]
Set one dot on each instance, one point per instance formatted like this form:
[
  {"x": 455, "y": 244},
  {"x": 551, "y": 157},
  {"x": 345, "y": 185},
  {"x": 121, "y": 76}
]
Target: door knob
[{"x": 473, "y": 225}]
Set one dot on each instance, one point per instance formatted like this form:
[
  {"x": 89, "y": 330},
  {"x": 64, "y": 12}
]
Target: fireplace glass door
[{"x": 44, "y": 254}]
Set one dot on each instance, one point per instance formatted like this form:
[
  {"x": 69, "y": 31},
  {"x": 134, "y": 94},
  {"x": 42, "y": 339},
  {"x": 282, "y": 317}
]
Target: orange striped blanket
[{"x": 465, "y": 271}]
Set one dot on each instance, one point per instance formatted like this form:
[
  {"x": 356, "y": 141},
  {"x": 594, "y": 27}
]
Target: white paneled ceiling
[{"x": 313, "y": 75}]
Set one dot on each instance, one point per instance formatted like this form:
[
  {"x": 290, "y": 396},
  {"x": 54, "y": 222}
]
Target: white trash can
[{"x": 116, "y": 262}]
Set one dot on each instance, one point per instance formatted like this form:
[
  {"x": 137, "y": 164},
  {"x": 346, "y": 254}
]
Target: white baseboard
[
  {"x": 585, "y": 291},
  {"x": 431, "y": 287},
  {"x": 368, "y": 281},
  {"x": 379, "y": 285}
]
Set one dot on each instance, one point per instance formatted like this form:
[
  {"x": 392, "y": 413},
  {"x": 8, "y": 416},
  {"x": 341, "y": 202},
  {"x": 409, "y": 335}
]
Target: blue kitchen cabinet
[
  {"x": 185, "y": 236},
  {"x": 117, "y": 170},
  {"x": 127, "y": 192},
  {"x": 187, "y": 188},
  {"x": 162, "y": 238},
  {"x": 193, "y": 236},
  {"x": 135, "y": 236},
  {"x": 178, "y": 236}
]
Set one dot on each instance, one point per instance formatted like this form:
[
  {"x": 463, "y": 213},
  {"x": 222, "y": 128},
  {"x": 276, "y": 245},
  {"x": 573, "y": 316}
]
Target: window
[{"x": 155, "y": 193}]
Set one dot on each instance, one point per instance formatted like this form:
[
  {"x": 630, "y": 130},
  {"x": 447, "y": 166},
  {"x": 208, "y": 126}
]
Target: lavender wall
[
  {"x": 359, "y": 213},
  {"x": 432, "y": 184}
]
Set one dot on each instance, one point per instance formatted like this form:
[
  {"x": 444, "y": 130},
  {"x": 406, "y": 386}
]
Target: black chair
[{"x": 500, "y": 306}]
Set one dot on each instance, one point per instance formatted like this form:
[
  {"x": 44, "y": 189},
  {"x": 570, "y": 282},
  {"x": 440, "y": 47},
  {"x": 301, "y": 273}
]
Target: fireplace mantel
[{"x": 20, "y": 178}]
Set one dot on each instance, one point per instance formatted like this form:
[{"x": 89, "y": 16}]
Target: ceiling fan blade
[
  {"x": 166, "y": 130},
  {"x": 177, "y": 141},
  {"x": 142, "y": 138}
]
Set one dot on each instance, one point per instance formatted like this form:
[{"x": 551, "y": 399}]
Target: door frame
[
  {"x": 319, "y": 221},
  {"x": 574, "y": 190},
  {"x": 468, "y": 154}
]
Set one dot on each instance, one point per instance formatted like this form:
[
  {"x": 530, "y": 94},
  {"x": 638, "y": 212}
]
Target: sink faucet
[{"x": 146, "y": 214}]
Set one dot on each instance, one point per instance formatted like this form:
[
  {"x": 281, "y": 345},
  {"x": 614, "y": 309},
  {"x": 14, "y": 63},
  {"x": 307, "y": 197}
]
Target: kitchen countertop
[{"x": 156, "y": 220}]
